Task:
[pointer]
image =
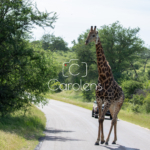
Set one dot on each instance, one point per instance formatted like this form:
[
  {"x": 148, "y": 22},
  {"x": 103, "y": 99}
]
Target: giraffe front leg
[
  {"x": 99, "y": 104},
  {"x": 102, "y": 134},
  {"x": 106, "y": 107},
  {"x": 100, "y": 130}
]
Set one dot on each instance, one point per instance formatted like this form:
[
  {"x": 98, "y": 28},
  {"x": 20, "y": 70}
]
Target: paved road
[{"x": 72, "y": 128}]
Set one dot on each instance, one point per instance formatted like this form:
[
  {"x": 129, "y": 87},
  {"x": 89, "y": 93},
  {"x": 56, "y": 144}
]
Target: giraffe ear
[
  {"x": 95, "y": 28},
  {"x": 97, "y": 32},
  {"x": 91, "y": 28}
]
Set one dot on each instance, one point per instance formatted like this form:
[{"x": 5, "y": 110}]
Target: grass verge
[
  {"x": 70, "y": 97},
  {"x": 75, "y": 98},
  {"x": 140, "y": 119},
  {"x": 19, "y": 132}
]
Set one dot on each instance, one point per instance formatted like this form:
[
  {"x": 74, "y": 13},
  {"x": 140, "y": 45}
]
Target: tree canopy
[
  {"x": 122, "y": 47},
  {"x": 51, "y": 42},
  {"x": 24, "y": 71}
]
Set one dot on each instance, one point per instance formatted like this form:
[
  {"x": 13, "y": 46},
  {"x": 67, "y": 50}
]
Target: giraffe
[{"x": 111, "y": 94}]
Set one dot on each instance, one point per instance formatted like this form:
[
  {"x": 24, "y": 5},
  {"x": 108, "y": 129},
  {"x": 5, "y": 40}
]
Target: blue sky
[{"x": 76, "y": 16}]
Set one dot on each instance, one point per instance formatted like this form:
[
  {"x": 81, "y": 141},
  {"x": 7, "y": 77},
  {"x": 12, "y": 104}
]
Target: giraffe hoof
[
  {"x": 96, "y": 143},
  {"x": 102, "y": 142},
  {"x": 106, "y": 143},
  {"x": 113, "y": 142}
]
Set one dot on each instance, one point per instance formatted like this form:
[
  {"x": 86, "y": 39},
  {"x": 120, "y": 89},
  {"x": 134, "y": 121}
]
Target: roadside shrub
[
  {"x": 125, "y": 105},
  {"x": 147, "y": 104},
  {"x": 146, "y": 84},
  {"x": 137, "y": 99},
  {"x": 56, "y": 87},
  {"x": 148, "y": 74},
  {"x": 135, "y": 108},
  {"x": 88, "y": 95},
  {"x": 129, "y": 107},
  {"x": 130, "y": 86}
]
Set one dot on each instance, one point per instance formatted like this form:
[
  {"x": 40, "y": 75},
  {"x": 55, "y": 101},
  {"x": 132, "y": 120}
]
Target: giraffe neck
[{"x": 104, "y": 70}]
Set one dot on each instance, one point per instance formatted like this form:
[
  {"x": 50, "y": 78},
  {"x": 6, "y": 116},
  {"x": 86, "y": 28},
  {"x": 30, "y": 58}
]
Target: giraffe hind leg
[
  {"x": 117, "y": 107},
  {"x": 111, "y": 109},
  {"x": 115, "y": 133},
  {"x": 121, "y": 100},
  {"x": 112, "y": 124}
]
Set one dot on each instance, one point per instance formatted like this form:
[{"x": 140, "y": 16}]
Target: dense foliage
[
  {"x": 23, "y": 70},
  {"x": 121, "y": 45},
  {"x": 50, "y": 42}
]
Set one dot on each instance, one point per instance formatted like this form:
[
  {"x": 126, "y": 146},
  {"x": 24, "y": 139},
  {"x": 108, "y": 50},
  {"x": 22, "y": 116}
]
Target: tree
[
  {"x": 23, "y": 70},
  {"x": 145, "y": 55},
  {"x": 121, "y": 45},
  {"x": 87, "y": 54},
  {"x": 49, "y": 41}
]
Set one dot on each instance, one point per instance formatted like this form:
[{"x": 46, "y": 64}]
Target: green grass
[
  {"x": 70, "y": 97},
  {"x": 140, "y": 119},
  {"x": 75, "y": 98},
  {"x": 19, "y": 132}
]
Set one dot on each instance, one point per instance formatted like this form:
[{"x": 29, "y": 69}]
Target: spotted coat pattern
[
  {"x": 110, "y": 94},
  {"x": 111, "y": 91}
]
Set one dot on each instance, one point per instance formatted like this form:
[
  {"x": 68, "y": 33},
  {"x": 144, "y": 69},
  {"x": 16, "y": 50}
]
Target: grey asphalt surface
[{"x": 71, "y": 127}]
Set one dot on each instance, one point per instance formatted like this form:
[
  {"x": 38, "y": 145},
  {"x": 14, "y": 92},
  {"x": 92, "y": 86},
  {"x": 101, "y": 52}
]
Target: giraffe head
[{"x": 93, "y": 36}]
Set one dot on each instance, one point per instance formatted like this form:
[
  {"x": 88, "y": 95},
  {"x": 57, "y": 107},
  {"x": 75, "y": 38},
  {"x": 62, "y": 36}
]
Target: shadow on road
[
  {"x": 119, "y": 147},
  {"x": 60, "y": 138},
  {"x": 51, "y": 130},
  {"x": 57, "y": 138}
]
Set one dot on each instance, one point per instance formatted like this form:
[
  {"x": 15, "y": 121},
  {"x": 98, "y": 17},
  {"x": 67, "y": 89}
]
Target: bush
[
  {"x": 135, "y": 108},
  {"x": 56, "y": 87},
  {"x": 148, "y": 74},
  {"x": 130, "y": 86},
  {"x": 87, "y": 95},
  {"x": 137, "y": 99},
  {"x": 147, "y": 104},
  {"x": 125, "y": 105}
]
